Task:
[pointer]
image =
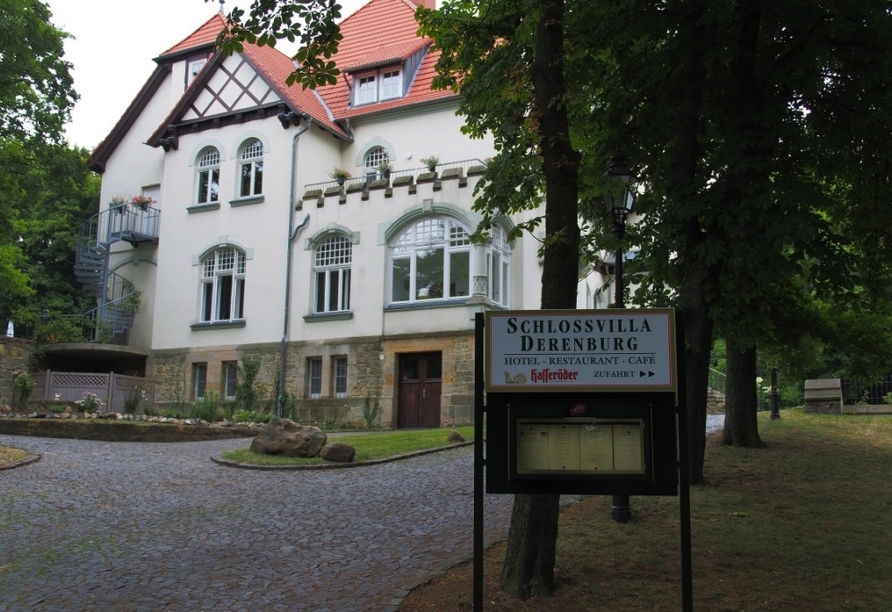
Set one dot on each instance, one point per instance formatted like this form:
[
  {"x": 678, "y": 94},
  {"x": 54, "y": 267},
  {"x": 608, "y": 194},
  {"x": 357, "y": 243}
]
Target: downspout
[{"x": 292, "y": 235}]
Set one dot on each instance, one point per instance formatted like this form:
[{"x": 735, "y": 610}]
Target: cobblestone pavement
[{"x": 152, "y": 526}]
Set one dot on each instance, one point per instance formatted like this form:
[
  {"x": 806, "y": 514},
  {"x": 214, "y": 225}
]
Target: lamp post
[{"x": 619, "y": 197}]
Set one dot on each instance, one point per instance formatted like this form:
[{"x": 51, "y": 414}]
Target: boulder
[
  {"x": 338, "y": 452},
  {"x": 287, "y": 438},
  {"x": 455, "y": 437}
]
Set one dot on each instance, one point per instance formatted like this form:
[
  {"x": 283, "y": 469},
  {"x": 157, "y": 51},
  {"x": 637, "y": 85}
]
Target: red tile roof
[
  {"x": 383, "y": 32},
  {"x": 380, "y": 33},
  {"x": 204, "y": 35}
]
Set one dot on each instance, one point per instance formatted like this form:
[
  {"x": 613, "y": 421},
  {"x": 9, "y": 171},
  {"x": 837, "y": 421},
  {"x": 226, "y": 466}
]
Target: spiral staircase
[{"x": 116, "y": 297}]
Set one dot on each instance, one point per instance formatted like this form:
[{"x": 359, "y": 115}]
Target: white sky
[{"x": 112, "y": 50}]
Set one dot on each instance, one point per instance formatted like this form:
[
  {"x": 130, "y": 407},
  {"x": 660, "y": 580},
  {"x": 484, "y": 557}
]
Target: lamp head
[{"x": 621, "y": 186}]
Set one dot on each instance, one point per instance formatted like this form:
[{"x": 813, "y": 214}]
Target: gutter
[{"x": 292, "y": 235}]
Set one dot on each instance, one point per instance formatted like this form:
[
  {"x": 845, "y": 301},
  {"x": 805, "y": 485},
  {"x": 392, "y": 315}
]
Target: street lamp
[{"x": 619, "y": 197}]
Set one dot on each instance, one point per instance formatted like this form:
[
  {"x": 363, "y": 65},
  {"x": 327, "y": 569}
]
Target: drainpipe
[{"x": 292, "y": 235}]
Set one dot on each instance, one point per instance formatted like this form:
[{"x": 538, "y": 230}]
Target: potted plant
[
  {"x": 142, "y": 201},
  {"x": 385, "y": 168},
  {"x": 431, "y": 161},
  {"x": 117, "y": 204},
  {"x": 340, "y": 175}
]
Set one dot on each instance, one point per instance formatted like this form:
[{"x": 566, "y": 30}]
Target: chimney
[{"x": 431, "y": 4}]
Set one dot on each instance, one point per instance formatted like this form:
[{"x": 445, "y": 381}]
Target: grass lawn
[
  {"x": 9, "y": 455},
  {"x": 369, "y": 446},
  {"x": 804, "y": 524}
]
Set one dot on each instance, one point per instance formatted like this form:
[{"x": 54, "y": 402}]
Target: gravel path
[{"x": 152, "y": 526}]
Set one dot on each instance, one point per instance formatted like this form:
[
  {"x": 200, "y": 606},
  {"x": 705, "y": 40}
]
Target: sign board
[{"x": 580, "y": 350}]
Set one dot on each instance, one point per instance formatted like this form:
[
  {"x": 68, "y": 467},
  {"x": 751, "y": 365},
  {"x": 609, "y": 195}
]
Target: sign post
[{"x": 581, "y": 402}]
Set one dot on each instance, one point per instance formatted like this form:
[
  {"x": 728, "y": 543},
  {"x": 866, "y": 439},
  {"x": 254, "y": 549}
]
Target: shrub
[
  {"x": 370, "y": 412},
  {"x": 245, "y": 394},
  {"x": 208, "y": 409},
  {"x": 58, "y": 408},
  {"x": 131, "y": 402},
  {"x": 23, "y": 386},
  {"x": 91, "y": 403}
]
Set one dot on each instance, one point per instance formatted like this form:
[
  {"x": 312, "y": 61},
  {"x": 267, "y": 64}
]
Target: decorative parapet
[{"x": 408, "y": 179}]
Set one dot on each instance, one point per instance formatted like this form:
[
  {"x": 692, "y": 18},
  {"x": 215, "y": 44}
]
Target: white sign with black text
[{"x": 585, "y": 350}]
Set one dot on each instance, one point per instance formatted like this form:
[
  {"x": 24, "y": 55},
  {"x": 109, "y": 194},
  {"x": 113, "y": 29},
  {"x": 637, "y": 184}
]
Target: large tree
[
  {"x": 36, "y": 97},
  {"x": 36, "y": 88}
]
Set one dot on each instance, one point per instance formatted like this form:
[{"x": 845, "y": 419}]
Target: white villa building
[{"x": 249, "y": 248}]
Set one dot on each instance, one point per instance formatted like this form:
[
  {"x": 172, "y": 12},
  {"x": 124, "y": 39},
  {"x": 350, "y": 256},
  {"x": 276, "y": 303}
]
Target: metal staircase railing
[{"x": 117, "y": 298}]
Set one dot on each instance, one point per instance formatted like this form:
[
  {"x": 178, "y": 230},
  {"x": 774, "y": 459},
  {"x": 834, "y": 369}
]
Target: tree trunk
[
  {"x": 532, "y": 538},
  {"x": 694, "y": 307},
  {"x": 741, "y": 426}
]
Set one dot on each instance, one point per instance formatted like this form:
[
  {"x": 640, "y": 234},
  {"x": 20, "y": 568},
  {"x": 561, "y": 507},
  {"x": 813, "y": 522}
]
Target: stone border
[
  {"x": 22, "y": 463},
  {"x": 334, "y": 466}
]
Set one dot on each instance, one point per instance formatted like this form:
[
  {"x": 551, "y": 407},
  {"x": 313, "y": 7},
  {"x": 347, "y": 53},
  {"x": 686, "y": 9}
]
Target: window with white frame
[
  {"x": 391, "y": 85},
  {"x": 332, "y": 270},
  {"x": 372, "y": 87},
  {"x": 498, "y": 258},
  {"x": 251, "y": 169},
  {"x": 199, "y": 380},
  {"x": 314, "y": 377},
  {"x": 430, "y": 259},
  {"x": 208, "y": 176},
  {"x": 367, "y": 89},
  {"x": 195, "y": 67},
  {"x": 230, "y": 380},
  {"x": 375, "y": 157},
  {"x": 223, "y": 286},
  {"x": 339, "y": 372}
]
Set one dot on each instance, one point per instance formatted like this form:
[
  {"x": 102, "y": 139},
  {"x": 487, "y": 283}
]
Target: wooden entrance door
[{"x": 419, "y": 394}]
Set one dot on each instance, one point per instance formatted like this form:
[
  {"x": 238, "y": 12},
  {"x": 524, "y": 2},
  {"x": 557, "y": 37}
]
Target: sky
[{"x": 112, "y": 48}]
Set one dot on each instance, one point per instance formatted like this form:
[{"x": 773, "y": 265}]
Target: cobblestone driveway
[{"x": 151, "y": 526}]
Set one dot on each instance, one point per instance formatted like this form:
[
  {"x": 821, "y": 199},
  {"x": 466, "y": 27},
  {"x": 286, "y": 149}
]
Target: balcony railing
[{"x": 373, "y": 175}]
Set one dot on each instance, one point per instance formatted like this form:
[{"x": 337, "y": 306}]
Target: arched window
[
  {"x": 332, "y": 270},
  {"x": 431, "y": 259},
  {"x": 223, "y": 286},
  {"x": 375, "y": 158},
  {"x": 251, "y": 169},
  {"x": 208, "y": 176}
]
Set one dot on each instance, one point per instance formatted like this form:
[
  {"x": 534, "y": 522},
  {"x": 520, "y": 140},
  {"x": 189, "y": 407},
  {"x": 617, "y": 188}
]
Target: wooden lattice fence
[{"x": 113, "y": 389}]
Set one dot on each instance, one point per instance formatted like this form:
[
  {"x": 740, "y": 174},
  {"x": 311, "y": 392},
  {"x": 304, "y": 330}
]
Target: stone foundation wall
[{"x": 372, "y": 367}]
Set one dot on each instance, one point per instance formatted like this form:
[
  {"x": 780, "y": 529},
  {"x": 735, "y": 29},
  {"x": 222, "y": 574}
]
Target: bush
[
  {"x": 131, "y": 402},
  {"x": 23, "y": 386},
  {"x": 208, "y": 409},
  {"x": 370, "y": 412},
  {"x": 91, "y": 403},
  {"x": 245, "y": 394}
]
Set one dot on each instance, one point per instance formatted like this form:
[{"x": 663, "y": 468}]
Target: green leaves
[{"x": 312, "y": 23}]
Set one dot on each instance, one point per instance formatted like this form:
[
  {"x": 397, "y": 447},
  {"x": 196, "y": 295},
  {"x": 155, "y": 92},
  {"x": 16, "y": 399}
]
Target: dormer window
[
  {"x": 194, "y": 68},
  {"x": 376, "y": 86}
]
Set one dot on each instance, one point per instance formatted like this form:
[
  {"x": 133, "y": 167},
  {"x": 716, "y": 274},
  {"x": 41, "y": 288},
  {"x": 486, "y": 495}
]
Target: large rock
[
  {"x": 285, "y": 437},
  {"x": 338, "y": 452}
]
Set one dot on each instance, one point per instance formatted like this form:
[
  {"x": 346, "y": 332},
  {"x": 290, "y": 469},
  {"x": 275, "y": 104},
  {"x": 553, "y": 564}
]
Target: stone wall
[
  {"x": 15, "y": 357},
  {"x": 372, "y": 366}
]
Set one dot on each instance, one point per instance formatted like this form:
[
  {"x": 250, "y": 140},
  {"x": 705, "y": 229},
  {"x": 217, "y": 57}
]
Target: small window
[
  {"x": 199, "y": 380},
  {"x": 340, "y": 376},
  {"x": 208, "y": 177},
  {"x": 314, "y": 377},
  {"x": 375, "y": 158},
  {"x": 367, "y": 90},
  {"x": 195, "y": 67},
  {"x": 251, "y": 169},
  {"x": 230, "y": 380},
  {"x": 391, "y": 85}
]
